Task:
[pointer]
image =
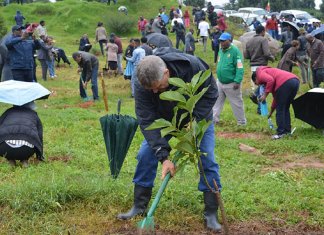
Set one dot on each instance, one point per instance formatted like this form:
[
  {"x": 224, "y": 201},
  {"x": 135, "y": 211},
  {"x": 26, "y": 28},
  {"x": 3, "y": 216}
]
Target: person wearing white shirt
[
  {"x": 176, "y": 18},
  {"x": 203, "y": 31}
]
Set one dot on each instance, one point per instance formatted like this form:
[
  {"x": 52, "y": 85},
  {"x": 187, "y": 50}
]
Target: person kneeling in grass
[
  {"x": 21, "y": 135},
  {"x": 284, "y": 86}
]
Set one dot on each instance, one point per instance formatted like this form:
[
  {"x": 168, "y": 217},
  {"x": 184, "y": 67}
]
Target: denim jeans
[
  {"x": 94, "y": 84},
  {"x": 50, "y": 65},
  {"x": 133, "y": 80},
  {"x": 284, "y": 97},
  {"x": 272, "y": 33},
  {"x": 145, "y": 172}
]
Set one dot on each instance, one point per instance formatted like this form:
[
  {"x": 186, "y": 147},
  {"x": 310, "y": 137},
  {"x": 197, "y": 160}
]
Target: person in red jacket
[
  {"x": 141, "y": 25},
  {"x": 221, "y": 22},
  {"x": 272, "y": 26},
  {"x": 284, "y": 86}
]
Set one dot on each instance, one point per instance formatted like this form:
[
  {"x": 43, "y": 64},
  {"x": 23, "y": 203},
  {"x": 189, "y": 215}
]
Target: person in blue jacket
[
  {"x": 21, "y": 54},
  {"x": 19, "y": 18}
]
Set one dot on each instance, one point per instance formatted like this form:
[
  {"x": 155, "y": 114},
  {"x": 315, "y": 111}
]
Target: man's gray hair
[{"x": 149, "y": 70}]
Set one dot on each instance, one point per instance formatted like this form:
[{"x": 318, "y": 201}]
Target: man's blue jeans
[
  {"x": 145, "y": 172},
  {"x": 94, "y": 84},
  {"x": 272, "y": 33}
]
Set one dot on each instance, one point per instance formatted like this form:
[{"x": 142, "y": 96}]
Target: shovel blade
[{"x": 146, "y": 226}]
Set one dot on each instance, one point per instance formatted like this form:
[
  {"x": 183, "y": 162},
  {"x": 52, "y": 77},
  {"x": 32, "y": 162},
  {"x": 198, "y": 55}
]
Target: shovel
[
  {"x": 146, "y": 226},
  {"x": 85, "y": 90}
]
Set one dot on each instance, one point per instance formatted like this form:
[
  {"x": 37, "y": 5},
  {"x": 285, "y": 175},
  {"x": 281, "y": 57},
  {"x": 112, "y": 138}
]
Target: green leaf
[
  {"x": 205, "y": 75},
  {"x": 203, "y": 125},
  {"x": 195, "y": 79},
  {"x": 200, "y": 94},
  {"x": 182, "y": 117},
  {"x": 167, "y": 130},
  {"x": 185, "y": 147},
  {"x": 175, "y": 114},
  {"x": 178, "y": 82},
  {"x": 159, "y": 123},
  {"x": 172, "y": 96},
  {"x": 190, "y": 105}
]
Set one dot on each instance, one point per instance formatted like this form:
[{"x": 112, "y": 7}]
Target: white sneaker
[{"x": 276, "y": 137}]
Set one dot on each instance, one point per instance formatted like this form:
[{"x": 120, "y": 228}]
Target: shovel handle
[
  {"x": 159, "y": 195},
  {"x": 118, "y": 106},
  {"x": 104, "y": 94}
]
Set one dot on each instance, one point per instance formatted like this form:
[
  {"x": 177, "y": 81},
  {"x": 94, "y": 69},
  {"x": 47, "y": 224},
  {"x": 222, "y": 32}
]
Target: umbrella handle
[{"x": 118, "y": 106}]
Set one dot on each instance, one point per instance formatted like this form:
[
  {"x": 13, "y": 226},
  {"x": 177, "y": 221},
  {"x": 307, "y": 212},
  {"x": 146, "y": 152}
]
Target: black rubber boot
[
  {"x": 142, "y": 198},
  {"x": 210, "y": 213}
]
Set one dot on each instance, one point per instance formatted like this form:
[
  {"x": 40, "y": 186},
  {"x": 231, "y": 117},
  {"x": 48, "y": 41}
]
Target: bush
[
  {"x": 121, "y": 24},
  {"x": 44, "y": 10},
  {"x": 3, "y": 29}
]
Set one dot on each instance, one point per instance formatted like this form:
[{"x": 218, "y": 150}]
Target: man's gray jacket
[{"x": 258, "y": 51}]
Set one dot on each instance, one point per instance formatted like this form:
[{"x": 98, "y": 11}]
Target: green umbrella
[{"x": 118, "y": 131}]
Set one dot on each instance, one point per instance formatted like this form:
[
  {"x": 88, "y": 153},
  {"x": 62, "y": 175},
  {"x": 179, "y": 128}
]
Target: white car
[
  {"x": 253, "y": 10},
  {"x": 245, "y": 19},
  {"x": 299, "y": 16},
  {"x": 229, "y": 12}
]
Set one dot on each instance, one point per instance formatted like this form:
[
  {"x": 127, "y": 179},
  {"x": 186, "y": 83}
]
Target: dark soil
[{"x": 242, "y": 228}]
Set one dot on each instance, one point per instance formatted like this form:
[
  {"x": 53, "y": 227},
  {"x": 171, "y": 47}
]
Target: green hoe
[{"x": 146, "y": 226}]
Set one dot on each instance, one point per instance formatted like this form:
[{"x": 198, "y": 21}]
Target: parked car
[
  {"x": 298, "y": 16},
  {"x": 229, "y": 12},
  {"x": 244, "y": 20},
  {"x": 253, "y": 10}
]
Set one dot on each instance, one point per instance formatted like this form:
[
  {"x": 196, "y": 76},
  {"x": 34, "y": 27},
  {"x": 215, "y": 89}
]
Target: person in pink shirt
[
  {"x": 221, "y": 22},
  {"x": 284, "y": 86},
  {"x": 186, "y": 17},
  {"x": 141, "y": 25}
]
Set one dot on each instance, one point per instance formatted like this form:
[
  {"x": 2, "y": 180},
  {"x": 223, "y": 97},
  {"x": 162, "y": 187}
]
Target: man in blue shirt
[
  {"x": 20, "y": 53},
  {"x": 138, "y": 55}
]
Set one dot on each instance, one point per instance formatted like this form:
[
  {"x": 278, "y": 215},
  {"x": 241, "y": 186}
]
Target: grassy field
[{"x": 277, "y": 190}]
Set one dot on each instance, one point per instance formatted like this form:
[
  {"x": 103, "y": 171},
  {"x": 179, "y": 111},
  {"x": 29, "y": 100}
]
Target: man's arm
[
  {"x": 12, "y": 41},
  {"x": 133, "y": 58},
  {"x": 266, "y": 50},
  {"x": 146, "y": 112},
  {"x": 320, "y": 47}
]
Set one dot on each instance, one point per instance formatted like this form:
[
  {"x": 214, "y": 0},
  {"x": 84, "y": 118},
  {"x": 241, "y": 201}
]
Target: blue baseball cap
[
  {"x": 16, "y": 27},
  {"x": 225, "y": 36}
]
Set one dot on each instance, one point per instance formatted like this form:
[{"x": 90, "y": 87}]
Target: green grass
[{"x": 74, "y": 192}]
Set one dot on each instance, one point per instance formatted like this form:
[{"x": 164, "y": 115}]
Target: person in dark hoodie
[
  {"x": 19, "y": 18},
  {"x": 88, "y": 66},
  {"x": 21, "y": 135},
  {"x": 153, "y": 73}
]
